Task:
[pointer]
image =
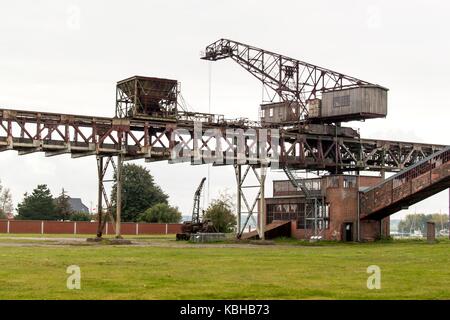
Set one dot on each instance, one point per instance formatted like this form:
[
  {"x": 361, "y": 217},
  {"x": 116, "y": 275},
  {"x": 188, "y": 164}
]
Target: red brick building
[{"x": 337, "y": 218}]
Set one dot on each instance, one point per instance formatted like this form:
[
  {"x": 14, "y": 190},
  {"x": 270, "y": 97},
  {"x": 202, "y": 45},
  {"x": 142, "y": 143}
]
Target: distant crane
[
  {"x": 196, "y": 208},
  {"x": 196, "y": 224}
]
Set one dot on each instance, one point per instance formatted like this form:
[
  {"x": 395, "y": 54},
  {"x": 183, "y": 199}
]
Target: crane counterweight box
[{"x": 359, "y": 103}]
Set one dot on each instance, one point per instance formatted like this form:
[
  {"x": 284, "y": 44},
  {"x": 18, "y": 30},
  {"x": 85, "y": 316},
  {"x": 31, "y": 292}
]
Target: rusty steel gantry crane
[
  {"x": 313, "y": 101},
  {"x": 289, "y": 80}
]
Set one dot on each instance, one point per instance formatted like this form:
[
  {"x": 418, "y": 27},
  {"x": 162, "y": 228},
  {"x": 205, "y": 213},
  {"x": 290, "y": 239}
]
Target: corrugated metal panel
[
  {"x": 279, "y": 112},
  {"x": 356, "y": 103},
  {"x": 314, "y": 106}
]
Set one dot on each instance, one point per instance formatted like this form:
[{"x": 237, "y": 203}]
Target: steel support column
[
  {"x": 262, "y": 203},
  {"x": 238, "y": 171},
  {"x": 103, "y": 163},
  {"x": 119, "y": 195},
  {"x": 358, "y": 210},
  {"x": 243, "y": 197},
  {"x": 100, "y": 197}
]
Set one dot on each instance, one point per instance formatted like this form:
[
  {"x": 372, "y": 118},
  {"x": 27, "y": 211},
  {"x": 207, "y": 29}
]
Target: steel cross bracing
[
  {"x": 250, "y": 201},
  {"x": 315, "y": 206},
  {"x": 103, "y": 164},
  {"x": 282, "y": 77},
  {"x": 55, "y": 134}
]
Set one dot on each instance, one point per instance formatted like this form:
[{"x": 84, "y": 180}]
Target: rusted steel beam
[
  {"x": 217, "y": 142},
  {"x": 410, "y": 186}
]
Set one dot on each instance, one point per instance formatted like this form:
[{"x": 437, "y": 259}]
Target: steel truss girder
[{"x": 27, "y": 131}]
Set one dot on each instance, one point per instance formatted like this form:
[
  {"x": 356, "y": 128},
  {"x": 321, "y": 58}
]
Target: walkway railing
[{"x": 425, "y": 178}]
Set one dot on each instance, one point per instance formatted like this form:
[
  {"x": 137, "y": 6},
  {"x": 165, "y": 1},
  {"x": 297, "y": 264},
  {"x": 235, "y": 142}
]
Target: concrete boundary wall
[{"x": 84, "y": 227}]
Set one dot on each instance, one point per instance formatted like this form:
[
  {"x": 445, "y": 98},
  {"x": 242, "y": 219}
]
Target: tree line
[
  {"x": 142, "y": 201},
  {"x": 40, "y": 205},
  {"x": 419, "y": 221},
  {"x": 6, "y": 205}
]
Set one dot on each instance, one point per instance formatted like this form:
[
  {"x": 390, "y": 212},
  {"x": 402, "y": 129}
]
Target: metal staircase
[
  {"x": 418, "y": 182},
  {"x": 316, "y": 212}
]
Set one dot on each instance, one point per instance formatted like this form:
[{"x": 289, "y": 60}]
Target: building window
[
  {"x": 296, "y": 211},
  {"x": 270, "y": 112},
  {"x": 263, "y": 113},
  {"x": 342, "y": 101},
  {"x": 301, "y": 222},
  {"x": 333, "y": 182},
  {"x": 349, "y": 182}
]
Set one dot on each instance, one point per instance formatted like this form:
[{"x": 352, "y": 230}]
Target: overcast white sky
[{"x": 66, "y": 56}]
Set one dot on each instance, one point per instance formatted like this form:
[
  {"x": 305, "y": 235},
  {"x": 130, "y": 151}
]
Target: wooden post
[{"x": 431, "y": 232}]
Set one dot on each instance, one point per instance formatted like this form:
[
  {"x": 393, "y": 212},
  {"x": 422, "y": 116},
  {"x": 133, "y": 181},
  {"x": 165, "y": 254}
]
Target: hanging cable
[{"x": 209, "y": 111}]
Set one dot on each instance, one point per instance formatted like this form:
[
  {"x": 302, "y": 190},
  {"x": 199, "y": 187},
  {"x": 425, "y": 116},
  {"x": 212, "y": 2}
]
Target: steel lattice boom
[{"x": 283, "y": 77}]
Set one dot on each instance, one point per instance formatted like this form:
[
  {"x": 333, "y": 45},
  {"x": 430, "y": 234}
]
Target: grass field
[{"x": 287, "y": 270}]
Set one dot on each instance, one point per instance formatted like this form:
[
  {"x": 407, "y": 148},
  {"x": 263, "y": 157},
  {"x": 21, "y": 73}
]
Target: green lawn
[{"x": 288, "y": 270}]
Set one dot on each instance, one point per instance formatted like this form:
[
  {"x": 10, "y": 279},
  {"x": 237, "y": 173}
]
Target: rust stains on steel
[
  {"x": 154, "y": 140},
  {"x": 410, "y": 186}
]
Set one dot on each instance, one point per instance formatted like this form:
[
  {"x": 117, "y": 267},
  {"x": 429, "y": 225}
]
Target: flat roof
[{"x": 145, "y": 79}]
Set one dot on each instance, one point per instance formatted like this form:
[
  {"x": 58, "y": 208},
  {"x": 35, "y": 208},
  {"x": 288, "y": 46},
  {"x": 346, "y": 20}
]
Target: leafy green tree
[
  {"x": 220, "y": 212},
  {"x": 63, "y": 207},
  {"x": 162, "y": 213},
  {"x": 441, "y": 221},
  {"x": 419, "y": 221},
  {"x": 6, "y": 205},
  {"x": 37, "y": 206},
  {"x": 413, "y": 222},
  {"x": 80, "y": 216},
  {"x": 139, "y": 192}
]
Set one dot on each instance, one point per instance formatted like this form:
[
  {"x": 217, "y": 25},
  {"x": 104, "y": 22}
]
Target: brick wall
[
  {"x": 343, "y": 210},
  {"x": 3, "y": 226},
  {"x": 83, "y": 227}
]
